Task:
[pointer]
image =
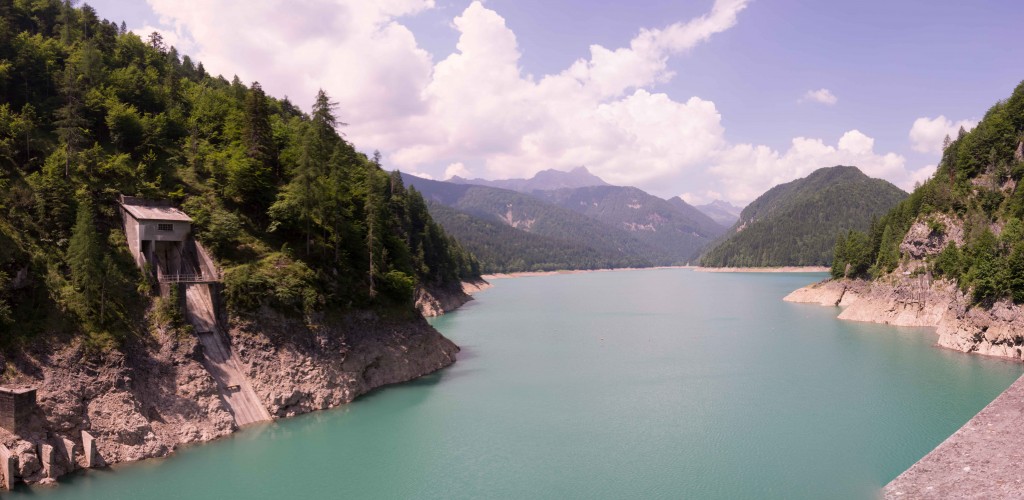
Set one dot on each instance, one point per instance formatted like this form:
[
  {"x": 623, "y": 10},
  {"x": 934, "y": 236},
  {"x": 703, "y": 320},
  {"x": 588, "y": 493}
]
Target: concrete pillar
[
  {"x": 7, "y": 467},
  {"x": 69, "y": 452},
  {"x": 89, "y": 449},
  {"x": 46, "y": 458}
]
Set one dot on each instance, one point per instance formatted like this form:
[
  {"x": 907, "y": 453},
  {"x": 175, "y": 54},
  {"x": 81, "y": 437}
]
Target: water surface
[{"x": 642, "y": 384}]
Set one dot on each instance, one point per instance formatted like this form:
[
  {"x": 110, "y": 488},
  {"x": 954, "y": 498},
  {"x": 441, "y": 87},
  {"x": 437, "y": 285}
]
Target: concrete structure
[
  {"x": 46, "y": 456},
  {"x": 89, "y": 450},
  {"x": 16, "y": 407},
  {"x": 7, "y": 467},
  {"x": 160, "y": 236},
  {"x": 68, "y": 451},
  {"x": 220, "y": 360}
]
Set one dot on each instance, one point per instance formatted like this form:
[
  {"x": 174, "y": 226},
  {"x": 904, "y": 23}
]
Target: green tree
[{"x": 85, "y": 261}]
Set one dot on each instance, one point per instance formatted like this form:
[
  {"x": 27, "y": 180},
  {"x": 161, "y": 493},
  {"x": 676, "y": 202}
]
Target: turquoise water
[{"x": 642, "y": 384}]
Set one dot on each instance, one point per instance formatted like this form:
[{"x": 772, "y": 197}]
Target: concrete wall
[
  {"x": 148, "y": 230},
  {"x": 131, "y": 233},
  {"x": 16, "y": 407}
]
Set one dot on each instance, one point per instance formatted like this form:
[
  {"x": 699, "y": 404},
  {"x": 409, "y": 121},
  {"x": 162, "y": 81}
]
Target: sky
[{"x": 709, "y": 99}]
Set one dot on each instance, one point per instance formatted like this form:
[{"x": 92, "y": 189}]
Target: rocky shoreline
[
  {"x": 908, "y": 300},
  {"x": 433, "y": 302},
  {"x": 153, "y": 395},
  {"x": 981, "y": 459}
]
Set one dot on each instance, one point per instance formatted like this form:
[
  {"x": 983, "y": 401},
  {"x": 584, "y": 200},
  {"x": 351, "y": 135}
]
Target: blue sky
[{"x": 718, "y": 120}]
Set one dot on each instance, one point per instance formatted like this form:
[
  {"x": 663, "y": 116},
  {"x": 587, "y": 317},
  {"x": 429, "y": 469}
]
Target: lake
[{"x": 661, "y": 383}]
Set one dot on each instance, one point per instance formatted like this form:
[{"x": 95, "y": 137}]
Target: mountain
[
  {"x": 964, "y": 223},
  {"x": 519, "y": 232},
  {"x": 796, "y": 223},
  {"x": 673, "y": 232},
  {"x": 298, "y": 220},
  {"x": 720, "y": 211},
  {"x": 585, "y": 227},
  {"x": 542, "y": 181}
]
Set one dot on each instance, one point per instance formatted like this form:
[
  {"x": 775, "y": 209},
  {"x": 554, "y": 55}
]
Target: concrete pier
[
  {"x": 89, "y": 450},
  {"x": 46, "y": 457},
  {"x": 6, "y": 467},
  {"x": 68, "y": 452}
]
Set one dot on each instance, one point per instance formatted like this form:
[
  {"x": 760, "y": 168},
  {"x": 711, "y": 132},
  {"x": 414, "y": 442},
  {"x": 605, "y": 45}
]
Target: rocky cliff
[
  {"x": 153, "y": 395},
  {"x": 436, "y": 301},
  {"x": 910, "y": 297}
]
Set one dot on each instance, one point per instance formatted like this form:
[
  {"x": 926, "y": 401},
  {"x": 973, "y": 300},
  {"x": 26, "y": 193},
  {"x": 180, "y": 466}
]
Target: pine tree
[{"x": 85, "y": 260}]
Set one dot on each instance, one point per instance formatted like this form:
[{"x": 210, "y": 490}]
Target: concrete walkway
[
  {"x": 981, "y": 460},
  {"x": 220, "y": 360}
]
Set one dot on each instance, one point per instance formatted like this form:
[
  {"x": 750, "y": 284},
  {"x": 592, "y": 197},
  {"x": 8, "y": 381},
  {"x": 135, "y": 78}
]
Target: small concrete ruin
[
  {"x": 68, "y": 452},
  {"x": 7, "y": 467},
  {"x": 89, "y": 450},
  {"x": 46, "y": 457},
  {"x": 16, "y": 407}
]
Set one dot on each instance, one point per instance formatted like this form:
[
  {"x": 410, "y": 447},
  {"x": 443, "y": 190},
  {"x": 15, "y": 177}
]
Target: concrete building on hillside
[{"x": 160, "y": 237}]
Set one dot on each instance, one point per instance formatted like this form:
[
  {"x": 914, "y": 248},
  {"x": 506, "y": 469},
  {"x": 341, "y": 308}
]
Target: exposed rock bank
[
  {"x": 913, "y": 301},
  {"x": 433, "y": 302},
  {"x": 153, "y": 395}
]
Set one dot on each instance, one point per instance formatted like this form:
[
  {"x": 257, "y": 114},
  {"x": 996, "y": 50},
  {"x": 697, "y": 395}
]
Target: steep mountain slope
[
  {"x": 675, "y": 232},
  {"x": 796, "y": 223},
  {"x": 501, "y": 248},
  {"x": 585, "y": 242},
  {"x": 720, "y": 211},
  {"x": 541, "y": 181},
  {"x": 321, "y": 250}
]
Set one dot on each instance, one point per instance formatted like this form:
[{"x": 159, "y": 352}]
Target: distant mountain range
[
  {"x": 796, "y": 223},
  {"x": 565, "y": 220},
  {"x": 544, "y": 180},
  {"x": 722, "y": 212}
]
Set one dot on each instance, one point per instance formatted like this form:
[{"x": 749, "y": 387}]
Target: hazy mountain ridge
[
  {"x": 585, "y": 227},
  {"x": 675, "y": 232},
  {"x": 541, "y": 181},
  {"x": 521, "y": 223},
  {"x": 796, "y": 223},
  {"x": 720, "y": 211}
]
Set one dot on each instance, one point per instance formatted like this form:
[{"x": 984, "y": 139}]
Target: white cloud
[
  {"x": 477, "y": 107},
  {"x": 744, "y": 171},
  {"x": 171, "y": 38},
  {"x": 821, "y": 96},
  {"x": 458, "y": 169},
  {"x": 928, "y": 134}
]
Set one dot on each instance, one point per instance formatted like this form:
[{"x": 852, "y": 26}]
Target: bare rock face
[
  {"x": 154, "y": 395},
  {"x": 929, "y": 237},
  {"x": 830, "y": 293},
  {"x": 915, "y": 301},
  {"x": 297, "y": 368}
]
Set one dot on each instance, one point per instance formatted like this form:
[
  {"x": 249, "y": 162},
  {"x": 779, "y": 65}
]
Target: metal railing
[{"x": 184, "y": 278}]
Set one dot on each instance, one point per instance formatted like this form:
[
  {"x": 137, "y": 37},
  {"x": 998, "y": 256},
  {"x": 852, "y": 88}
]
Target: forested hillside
[
  {"x": 796, "y": 223},
  {"x": 674, "y": 233},
  {"x": 973, "y": 205},
  {"x": 511, "y": 231},
  {"x": 299, "y": 220}
]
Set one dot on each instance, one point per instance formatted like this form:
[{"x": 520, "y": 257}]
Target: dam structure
[{"x": 160, "y": 239}]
